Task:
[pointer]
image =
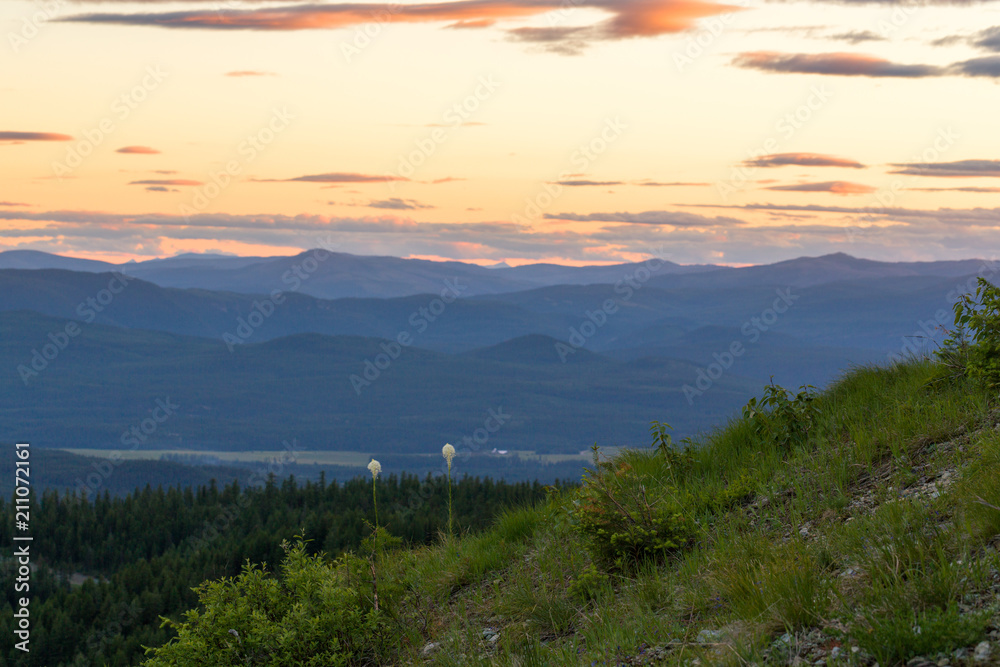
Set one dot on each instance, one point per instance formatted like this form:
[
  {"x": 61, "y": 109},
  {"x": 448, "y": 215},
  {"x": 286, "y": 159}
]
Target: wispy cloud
[
  {"x": 901, "y": 234},
  {"x": 395, "y": 203},
  {"x": 971, "y": 189},
  {"x": 988, "y": 66},
  {"x": 839, "y": 64},
  {"x": 833, "y": 187},
  {"x": 138, "y": 150},
  {"x": 860, "y": 64},
  {"x": 857, "y": 36},
  {"x": 665, "y": 218},
  {"x": 628, "y": 18},
  {"x": 577, "y": 183},
  {"x": 803, "y": 160},
  {"x": 170, "y": 181},
  {"x": 583, "y": 182},
  {"x": 18, "y": 137},
  {"x": 959, "y": 169},
  {"x": 334, "y": 177}
]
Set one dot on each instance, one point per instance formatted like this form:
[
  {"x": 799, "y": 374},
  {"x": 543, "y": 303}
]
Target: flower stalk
[{"x": 448, "y": 452}]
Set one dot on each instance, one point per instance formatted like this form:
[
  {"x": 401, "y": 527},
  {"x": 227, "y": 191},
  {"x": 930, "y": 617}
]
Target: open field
[{"x": 333, "y": 458}]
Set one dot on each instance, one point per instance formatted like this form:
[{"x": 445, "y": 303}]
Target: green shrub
[
  {"x": 738, "y": 492},
  {"x": 630, "y": 518},
  {"x": 979, "y": 357},
  {"x": 590, "y": 584},
  {"x": 314, "y": 614},
  {"x": 781, "y": 420}
]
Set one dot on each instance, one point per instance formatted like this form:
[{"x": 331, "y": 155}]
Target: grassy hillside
[{"x": 871, "y": 535}]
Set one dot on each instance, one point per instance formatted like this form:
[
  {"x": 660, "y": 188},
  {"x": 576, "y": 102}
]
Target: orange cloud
[
  {"x": 34, "y": 136},
  {"x": 629, "y": 18},
  {"x": 834, "y": 187},
  {"x": 138, "y": 150},
  {"x": 838, "y": 64}
]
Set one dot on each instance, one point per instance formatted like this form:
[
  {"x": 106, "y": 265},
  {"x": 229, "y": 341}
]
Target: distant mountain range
[
  {"x": 332, "y": 275},
  {"x": 250, "y": 359},
  {"x": 338, "y": 275}
]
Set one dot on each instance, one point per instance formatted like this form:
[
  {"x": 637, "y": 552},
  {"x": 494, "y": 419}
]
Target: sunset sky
[{"x": 571, "y": 131}]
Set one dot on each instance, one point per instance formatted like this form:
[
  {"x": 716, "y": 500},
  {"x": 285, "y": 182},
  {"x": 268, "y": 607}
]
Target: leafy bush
[
  {"x": 781, "y": 420},
  {"x": 590, "y": 584},
  {"x": 630, "y": 518},
  {"x": 315, "y": 614},
  {"x": 979, "y": 357},
  {"x": 676, "y": 459}
]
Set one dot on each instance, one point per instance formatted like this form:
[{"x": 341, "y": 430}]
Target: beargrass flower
[
  {"x": 375, "y": 468},
  {"x": 448, "y": 452}
]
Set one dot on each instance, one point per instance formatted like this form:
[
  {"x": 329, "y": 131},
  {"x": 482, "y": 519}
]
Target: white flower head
[
  {"x": 448, "y": 452},
  {"x": 375, "y": 467}
]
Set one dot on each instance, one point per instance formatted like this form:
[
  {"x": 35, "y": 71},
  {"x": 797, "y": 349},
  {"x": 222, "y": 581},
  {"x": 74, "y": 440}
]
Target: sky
[{"x": 568, "y": 131}]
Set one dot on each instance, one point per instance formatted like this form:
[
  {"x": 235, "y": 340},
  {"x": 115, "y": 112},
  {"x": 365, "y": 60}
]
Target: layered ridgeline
[
  {"x": 421, "y": 369},
  {"x": 855, "y": 526}
]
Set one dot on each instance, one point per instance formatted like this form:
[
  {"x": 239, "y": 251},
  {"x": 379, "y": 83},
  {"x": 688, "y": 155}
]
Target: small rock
[
  {"x": 709, "y": 636},
  {"x": 430, "y": 648},
  {"x": 489, "y": 632},
  {"x": 982, "y": 652},
  {"x": 835, "y": 652}
]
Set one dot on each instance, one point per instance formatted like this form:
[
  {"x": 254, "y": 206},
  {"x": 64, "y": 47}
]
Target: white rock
[
  {"x": 982, "y": 652},
  {"x": 709, "y": 636},
  {"x": 430, "y": 648}
]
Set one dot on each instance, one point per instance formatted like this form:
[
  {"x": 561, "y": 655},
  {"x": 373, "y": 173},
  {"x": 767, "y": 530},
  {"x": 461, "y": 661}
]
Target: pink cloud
[{"x": 138, "y": 150}]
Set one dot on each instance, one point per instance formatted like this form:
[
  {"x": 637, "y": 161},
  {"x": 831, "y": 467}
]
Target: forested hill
[{"x": 108, "y": 570}]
